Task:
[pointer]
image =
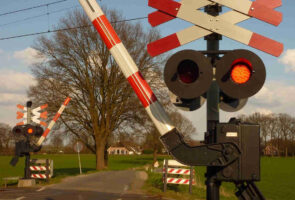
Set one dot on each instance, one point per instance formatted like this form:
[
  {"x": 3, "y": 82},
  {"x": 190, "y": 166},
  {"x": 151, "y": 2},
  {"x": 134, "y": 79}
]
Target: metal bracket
[
  {"x": 218, "y": 155},
  {"x": 248, "y": 191}
]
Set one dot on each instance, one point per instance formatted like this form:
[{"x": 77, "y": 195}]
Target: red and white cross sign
[
  {"x": 35, "y": 112},
  {"x": 206, "y": 24}
]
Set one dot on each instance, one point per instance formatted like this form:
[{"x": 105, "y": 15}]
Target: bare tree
[
  {"x": 285, "y": 129},
  {"x": 78, "y": 64},
  {"x": 183, "y": 124},
  {"x": 276, "y": 129},
  {"x": 56, "y": 141},
  {"x": 6, "y": 138}
]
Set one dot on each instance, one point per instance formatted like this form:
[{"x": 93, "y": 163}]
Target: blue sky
[{"x": 277, "y": 95}]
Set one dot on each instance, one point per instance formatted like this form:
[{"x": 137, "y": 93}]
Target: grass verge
[
  {"x": 67, "y": 165},
  {"x": 277, "y": 182}
]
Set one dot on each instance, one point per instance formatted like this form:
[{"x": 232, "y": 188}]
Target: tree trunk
[
  {"x": 106, "y": 155},
  {"x": 155, "y": 155},
  {"x": 286, "y": 152},
  {"x": 100, "y": 149}
]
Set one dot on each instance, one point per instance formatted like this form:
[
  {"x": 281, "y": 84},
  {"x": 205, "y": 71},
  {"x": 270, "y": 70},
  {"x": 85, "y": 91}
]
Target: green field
[
  {"x": 277, "y": 174},
  {"x": 67, "y": 165},
  {"x": 277, "y": 182}
]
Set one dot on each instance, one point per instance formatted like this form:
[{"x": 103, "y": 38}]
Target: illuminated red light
[
  {"x": 30, "y": 130},
  {"x": 241, "y": 71}
]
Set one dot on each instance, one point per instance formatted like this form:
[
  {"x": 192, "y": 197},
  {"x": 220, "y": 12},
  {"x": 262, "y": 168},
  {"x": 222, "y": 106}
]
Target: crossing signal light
[
  {"x": 188, "y": 75},
  {"x": 27, "y": 130},
  {"x": 240, "y": 74},
  {"x": 24, "y": 140}
]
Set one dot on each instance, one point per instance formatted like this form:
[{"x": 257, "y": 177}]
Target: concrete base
[{"x": 26, "y": 183}]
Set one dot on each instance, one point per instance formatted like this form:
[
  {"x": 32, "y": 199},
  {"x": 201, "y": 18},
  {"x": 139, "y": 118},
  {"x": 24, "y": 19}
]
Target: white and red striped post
[
  {"x": 128, "y": 66},
  {"x": 55, "y": 118}
]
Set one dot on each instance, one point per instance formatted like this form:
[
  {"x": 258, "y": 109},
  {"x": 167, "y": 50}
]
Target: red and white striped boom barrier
[
  {"x": 55, "y": 118},
  {"x": 128, "y": 66}
]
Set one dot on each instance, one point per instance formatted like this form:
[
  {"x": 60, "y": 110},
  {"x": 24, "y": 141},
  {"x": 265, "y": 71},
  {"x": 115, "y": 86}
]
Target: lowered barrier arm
[{"x": 205, "y": 155}]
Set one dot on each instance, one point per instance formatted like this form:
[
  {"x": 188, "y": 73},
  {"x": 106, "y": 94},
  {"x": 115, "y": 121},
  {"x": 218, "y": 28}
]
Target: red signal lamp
[
  {"x": 241, "y": 71},
  {"x": 30, "y": 131}
]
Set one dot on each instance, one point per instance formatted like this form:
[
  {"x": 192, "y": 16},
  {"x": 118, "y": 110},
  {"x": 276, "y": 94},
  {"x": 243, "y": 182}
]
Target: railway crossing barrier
[
  {"x": 41, "y": 169},
  {"x": 172, "y": 167}
]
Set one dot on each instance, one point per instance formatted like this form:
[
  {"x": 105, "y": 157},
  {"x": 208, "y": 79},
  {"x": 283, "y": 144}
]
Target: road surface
[{"x": 110, "y": 185}]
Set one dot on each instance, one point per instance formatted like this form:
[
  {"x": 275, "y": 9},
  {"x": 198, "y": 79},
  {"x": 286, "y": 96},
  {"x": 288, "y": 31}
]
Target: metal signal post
[{"x": 212, "y": 107}]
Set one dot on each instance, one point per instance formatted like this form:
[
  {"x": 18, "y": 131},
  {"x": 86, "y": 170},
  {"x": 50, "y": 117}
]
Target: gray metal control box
[{"x": 247, "y": 139}]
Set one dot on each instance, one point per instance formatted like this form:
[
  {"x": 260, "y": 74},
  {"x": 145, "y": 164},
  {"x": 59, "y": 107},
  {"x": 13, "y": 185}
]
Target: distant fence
[
  {"x": 41, "y": 169},
  {"x": 177, "y": 175}
]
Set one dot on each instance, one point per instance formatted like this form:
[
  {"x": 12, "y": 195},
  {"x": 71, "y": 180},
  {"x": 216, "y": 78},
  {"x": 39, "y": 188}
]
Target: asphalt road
[{"x": 111, "y": 185}]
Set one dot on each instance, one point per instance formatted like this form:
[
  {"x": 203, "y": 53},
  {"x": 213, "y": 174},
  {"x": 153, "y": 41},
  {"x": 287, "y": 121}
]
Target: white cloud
[
  {"x": 274, "y": 97},
  {"x": 288, "y": 59},
  {"x": 28, "y": 56},
  {"x": 15, "y": 82},
  {"x": 13, "y": 87},
  {"x": 7, "y": 99}
]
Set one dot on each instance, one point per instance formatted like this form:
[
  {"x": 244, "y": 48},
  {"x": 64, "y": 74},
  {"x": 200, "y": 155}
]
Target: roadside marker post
[{"x": 78, "y": 148}]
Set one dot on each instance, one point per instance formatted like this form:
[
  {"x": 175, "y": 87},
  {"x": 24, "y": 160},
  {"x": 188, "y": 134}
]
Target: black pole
[
  {"x": 165, "y": 174},
  {"x": 191, "y": 179},
  {"x": 27, "y": 167},
  {"x": 212, "y": 108}
]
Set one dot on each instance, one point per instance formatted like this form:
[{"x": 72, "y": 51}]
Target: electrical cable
[
  {"x": 30, "y": 8},
  {"x": 41, "y": 15},
  {"x": 65, "y": 29}
]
